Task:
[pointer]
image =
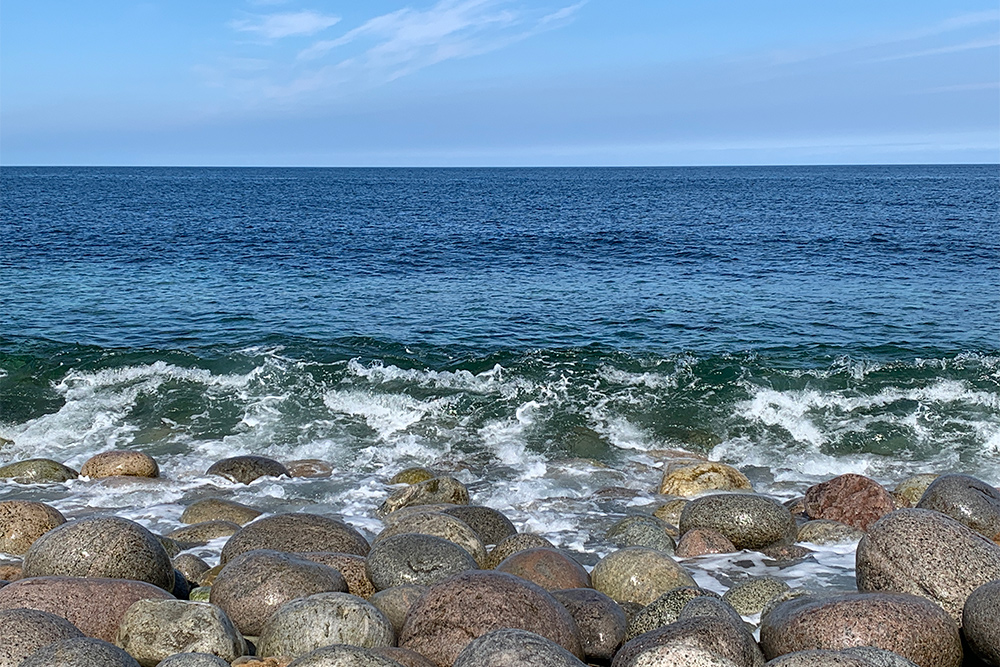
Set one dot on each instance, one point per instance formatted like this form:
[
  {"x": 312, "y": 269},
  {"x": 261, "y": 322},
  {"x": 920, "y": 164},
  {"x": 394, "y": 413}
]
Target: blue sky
[{"x": 494, "y": 82}]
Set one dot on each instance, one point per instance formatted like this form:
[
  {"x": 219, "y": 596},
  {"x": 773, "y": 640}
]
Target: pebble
[
  {"x": 827, "y": 531},
  {"x": 703, "y": 541},
  {"x": 664, "y": 610},
  {"x": 491, "y": 525}
]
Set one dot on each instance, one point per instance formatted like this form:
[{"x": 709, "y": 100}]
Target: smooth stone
[
  {"x": 671, "y": 510},
  {"x": 827, "y": 531},
  {"x": 24, "y": 631},
  {"x": 200, "y": 594},
  {"x": 255, "y": 584},
  {"x": 245, "y": 469},
  {"x": 208, "y": 578},
  {"x": 204, "y": 532},
  {"x": 309, "y": 468},
  {"x": 171, "y": 546},
  {"x": 981, "y": 622},
  {"x": 511, "y": 545},
  {"x": 404, "y": 657},
  {"x": 637, "y": 574},
  {"x": 698, "y": 478},
  {"x": 415, "y": 558},
  {"x": 153, "y": 630},
  {"x": 95, "y": 606},
  {"x": 968, "y": 500},
  {"x": 703, "y": 541},
  {"x": 818, "y": 658},
  {"x": 80, "y": 652},
  {"x": 926, "y": 553},
  {"x": 664, "y": 610},
  {"x": 351, "y": 566},
  {"x": 454, "y": 612},
  {"x": 674, "y": 655},
  {"x": 218, "y": 509},
  {"x": 551, "y": 569},
  {"x": 343, "y": 655},
  {"x": 751, "y": 596},
  {"x": 120, "y": 463},
  {"x": 24, "y": 521},
  {"x": 748, "y": 520},
  {"x": 855, "y": 500},
  {"x": 705, "y": 606},
  {"x": 37, "y": 471},
  {"x": 396, "y": 602},
  {"x": 791, "y": 594},
  {"x": 189, "y": 565},
  {"x": 878, "y": 657},
  {"x": 299, "y": 532},
  {"x": 912, "y": 488},
  {"x": 442, "y": 489},
  {"x": 782, "y": 555},
  {"x": 193, "y": 660},
  {"x": 106, "y": 547},
  {"x": 642, "y": 531},
  {"x": 600, "y": 620},
  {"x": 440, "y": 525},
  {"x": 182, "y": 587},
  {"x": 491, "y": 525},
  {"x": 718, "y": 637},
  {"x": 309, "y": 623},
  {"x": 412, "y": 476},
  {"x": 911, "y": 626},
  {"x": 510, "y": 647}
]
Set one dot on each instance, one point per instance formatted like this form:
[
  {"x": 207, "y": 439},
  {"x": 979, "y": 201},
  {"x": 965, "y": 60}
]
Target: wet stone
[
  {"x": 24, "y": 631},
  {"x": 912, "y": 488},
  {"x": 219, "y": 509},
  {"x": 414, "y": 558},
  {"x": 600, "y": 620},
  {"x": 298, "y": 532},
  {"x": 749, "y": 521},
  {"x": 412, "y": 476},
  {"x": 703, "y": 541},
  {"x": 826, "y": 531},
  {"x": 751, "y": 596},
  {"x": 204, "y": 532},
  {"x": 670, "y": 511},
  {"x": 395, "y": 602},
  {"x": 24, "y": 521},
  {"x": 642, "y": 531},
  {"x": 442, "y": 489},
  {"x": 549, "y": 568},
  {"x": 491, "y": 525},
  {"x": 120, "y": 463},
  {"x": 852, "y": 499},
  {"x": 440, "y": 525},
  {"x": 512, "y": 545},
  {"x": 664, "y": 610},
  {"x": 637, "y": 574},
  {"x": 190, "y": 566},
  {"x": 309, "y": 468},
  {"x": 37, "y": 471},
  {"x": 694, "y": 479},
  {"x": 245, "y": 469},
  {"x": 968, "y": 500}
]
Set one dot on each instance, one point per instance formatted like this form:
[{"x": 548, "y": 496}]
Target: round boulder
[
  {"x": 153, "y": 630},
  {"x": 912, "y": 488},
  {"x": 716, "y": 637},
  {"x": 24, "y": 521},
  {"x": 637, "y": 574},
  {"x": 218, "y": 509},
  {"x": 24, "y": 631},
  {"x": 825, "y": 531},
  {"x": 351, "y": 566},
  {"x": 440, "y": 525},
  {"x": 751, "y": 596},
  {"x": 190, "y": 566},
  {"x": 204, "y": 532},
  {"x": 299, "y": 532},
  {"x": 852, "y": 499},
  {"x": 396, "y": 602},
  {"x": 981, "y": 622},
  {"x": 442, "y": 489},
  {"x": 671, "y": 510},
  {"x": 599, "y": 619},
  {"x": 819, "y": 659},
  {"x": 642, "y": 531},
  {"x": 704, "y": 541},
  {"x": 513, "y": 544},
  {"x": 491, "y": 525},
  {"x": 120, "y": 463},
  {"x": 968, "y": 500},
  {"x": 454, "y": 612},
  {"x": 80, "y": 652},
  {"x": 37, "y": 471},
  {"x": 193, "y": 660},
  {"x": 108, "y": 547},
  {"x": 412, "y": 476},
  {"x": 415, "y": 558},
  {"x": 309, "y": 623},
  {"x": 879, "y": 657},
  {"x": 515, "y": 648},
  {"x": 748, "y": 520},
  {"x": 911, "y": 626},
  {"x": 341, "y": 655},
  {"x": 254, "y": 585},
  {"x": 245, "y": 469},
  {"x": 926, "y": 553},
  {"x": 403, "y": 656},
  {"x": 664, "y": 610},
  {"x": 549, "y": 568},
  {"x": 691, "y": 480}
]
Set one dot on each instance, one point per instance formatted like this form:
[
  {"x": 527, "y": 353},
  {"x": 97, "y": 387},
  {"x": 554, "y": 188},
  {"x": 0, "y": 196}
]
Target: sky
[{"x": 498, "y": 82}]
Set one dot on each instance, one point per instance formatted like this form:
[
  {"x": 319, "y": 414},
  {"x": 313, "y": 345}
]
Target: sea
[{"x": 547, "y": 336}]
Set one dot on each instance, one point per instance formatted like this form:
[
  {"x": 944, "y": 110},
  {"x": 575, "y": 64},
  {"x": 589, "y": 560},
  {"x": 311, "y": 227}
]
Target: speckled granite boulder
[
  {"x": 440, "y": 525},
  {"x": 343, "y": 655},
  {"x": 664, "y": 610},
  {"x": 818, "y": 659},
  {"x": 442, "y": 489},
  {"x": 309, "y": 468},
  {"x": 116, "y": 463},
  {"x": 80, "y": 652},
  {"x": 204, "y": 532},
  {"x": 299, "y": 532},
  {"x": 513, "y": 544},
  {"x": 24, "y": 631},
  {"x": 697, "y": 478},
  {"x": 396, "y": 602},
  {"x": 37, "y": 471},
  {"x": 671, "y": 510},
  {"x": 412, "y": 476},
  {"x": 351, "y": 566},
  {"x": 637, "y": 574},
  {"x": 642, "y": 531},
  {"x": 491, "y": 525},
  {"x": 713, "y": 636},
  {"x": 551, "y": 569},
  {"x": 703, "y": 541},
  {"x": 152, "y": 630},
  {"x": 599, "y": 619},
  {"x": 981, "y": 622},
  {"x": 748, "y": 520},
  {"x": 912, "y": 488},
  {"x": 827, "y": 531},
  {"x": 911, "y": 626},
  {"x": 245, "y": 469},
  {"x": 926, "y": 553},
  {"x": 967, "y": 500},
  {"x": 218, "y": 509},
  {"x": 193, "y": 660},
  {"x": 851, "y": 499},
  {"x": 751, "y": 596},
  {"x": 109, "y": 547},
  {"x": 515, "y": 648},
  {"x": 415, "y": 558},
  {"x": 711, "y": 607},
  {"x": 403, "y": 656},
  {"x": 190, "y": 566},
  {"x": 254, "y": 585},
  {"x": 454, "y": 612},
  {"x": 309, "y": 623},
  {"x": 24, "y": 521},
  {"x": 878, "y": 657}
]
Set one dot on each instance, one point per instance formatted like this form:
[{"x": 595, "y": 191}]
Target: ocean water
[{"x": 542, "y": 334}]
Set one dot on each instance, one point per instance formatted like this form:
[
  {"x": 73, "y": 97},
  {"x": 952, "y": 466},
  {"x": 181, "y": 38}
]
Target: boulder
[
  {"x": 549, "y": 568},
  {"x": 510, "y": 647},
  {"x": 454, "y": 612},
  {"x": 491, "y": 525},
  {"x": 878, "y": 657},
  {"x": 24, "y": 631},
  {"x": 826, "y": 531},
  {"x": 706, "y": 606},
  {"x": 442, "y": 489},
  {"x": 717, "y": 637},
  {"x": 245, "y": 469},
  {"x": 309, "y": 468},
  {"x": 309, "y": 623},
  {"x": 340, "y": 655},
  {"x": 440, "y": 525},
  {"x": 599, "y": 619},
  {"x": 912, "y": 488},
  {"x": 396, "y": 602},
  {"x": 37, "y": 471},
  {"x": 204, "y": 532},
  {"x": 513, "y": 544},
  {"x": 981, "y": 622},
  {"x": 404, "y": 657},
  {"x": 703, "y": 541},
  {"x": 926, "y": 553},
  {"x": 697, "y": 478},
  {"x": 105, "y": 547},
  {"x": 218, "y": 509},
  {"x": 818, "y": 659},
  {"x": 751, "y": 596},
  {"x": 120, "y": 463},
  {"x": 412, "y": 476},
  {"x": 95, "y": 606},
  {"x": 190, "y": 566},
  {"x": 255, "y": 584},
  {"x": 851, "y": 499},
  {"x": 80, "y": 652},
  {"x": 637, "y": 574},
  {"x": 24, "y": 521},
  {"x": 671, "y": 510},
  {"x": 153, "y": 630},
  {"x": 748, "y": 520},
  {"x": 415, "y": 558},
  {"x": 967, "y": 500},
  {"x": 193, "y": 660},
  {"x": 299, "y": 532},
  {"x": 911, "y": 626},
  {"x": 664, "y": 610},
  {"x": 642, "y": 531},
  {"x": 351, "y": 566}
]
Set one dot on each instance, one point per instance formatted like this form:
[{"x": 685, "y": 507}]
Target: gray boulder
[
  {"x": 37, "y": 471},
  {"x": 751, "y": 596},
  {"x": 748, "y": 520},
  {"x": 444, "y": 489},
  {"x": 515, "y": 648},
  {"x": 245, "y": 469},
  {"x": 643, "y": 531},
  {"x": 664, "y": 610},
  {"x": 511, "y": 545},
  {"x": 600, "y": 620},
  {"x": 306, "y": 624},
  {"x": 879, "y": 657},
  {"x": 298, "y": 532},
  {"x": 966, "y": 499},
  {"x": 440, "y": 525},
  {"x": 818, "y": 658},
  {"x": 153, "y": 630},
  {"x": 491, "y": 525},
  {"x": 719, "y": 638},
  {"x": 396, "y": 602},
  {"x": 343, "y": 655},
  {"x": 218, "y": 509},
  {"x": 413, "y": 558},
  {"x": 193, "y": 660},
  {"x": 981, "y": 622},
  {"x": 638, "y": 574},
  {"x": 80, "y": 652},
  {"x": 24, "y": 631}
]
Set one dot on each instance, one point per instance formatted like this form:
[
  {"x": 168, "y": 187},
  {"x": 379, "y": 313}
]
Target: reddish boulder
[
  {"x": 551, "y": 569},
  {"x": 702, "y": 541},
  {"x": 854, "y": 500}
]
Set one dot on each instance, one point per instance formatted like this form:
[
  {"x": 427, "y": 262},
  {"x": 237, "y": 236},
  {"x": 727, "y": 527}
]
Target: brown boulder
[
  {"x": 24, "y": 631},
  {"x": 511, "y": 545},
  {"x": 851, "y": 499},
  {"x": 245, "y": 469},
  {"x": 299, "y": 532},
  {"x": 549, "y": 568},
  {"x": 120, "y": 463},
  {"x": 351, "y": 566},
  {"x": 217, "y": 509},
  {"x": 691, "y": 480},
  {"x": 702, "y": 541},
  {"x": 599, "y": 619},
  {"x": 24, "y": 521}
]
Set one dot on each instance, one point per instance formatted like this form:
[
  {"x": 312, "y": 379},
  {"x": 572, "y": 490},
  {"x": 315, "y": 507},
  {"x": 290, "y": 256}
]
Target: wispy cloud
[
  {"x": 276, "y": 26},
  {"x": 940, "y": 50}
]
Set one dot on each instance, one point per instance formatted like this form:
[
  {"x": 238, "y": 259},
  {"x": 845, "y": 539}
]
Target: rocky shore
[{"x": 449, "y": 582}]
